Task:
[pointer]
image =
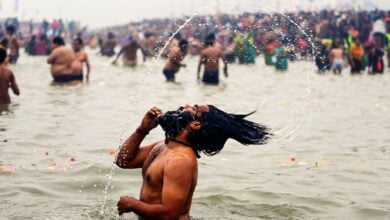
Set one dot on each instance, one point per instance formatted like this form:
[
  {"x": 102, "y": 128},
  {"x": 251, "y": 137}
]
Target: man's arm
[
  {"x": 119, "y": 54},
  {"x": 130, "y": 154},
  {"x": 88, "y": 66},
  {"x": 175, "y": 58},
  {"x": 178, "y": 186},
  {"x": 201, "y": 61},
  {"x": 350, "y": 58},
  {"x": 143, "y": 51},
  {"x": 223, "y": 57},
  {"x": 52, "y": 58},
  {"x": 14, "y": 86},
  {"x": 331, "y": 57}
]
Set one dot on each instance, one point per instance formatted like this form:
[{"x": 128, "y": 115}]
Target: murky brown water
[{"x": 329, "y": 158}]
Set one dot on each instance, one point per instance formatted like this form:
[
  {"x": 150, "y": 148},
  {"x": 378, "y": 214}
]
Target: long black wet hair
[{"x": 216, "y": 127}]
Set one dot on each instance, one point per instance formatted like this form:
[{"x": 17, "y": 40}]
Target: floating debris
[
  {"x": 319, "y": 164},
  {"x": 112, "y": 152}
]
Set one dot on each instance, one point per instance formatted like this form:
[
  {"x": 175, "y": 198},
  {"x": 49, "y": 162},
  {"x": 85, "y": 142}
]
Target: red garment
[
  {"x": 302, "y": 44},
  {"x": 40, "y": 48},
  {"x": 379, "y": 65},
  {"x": 270, "y": 48}
]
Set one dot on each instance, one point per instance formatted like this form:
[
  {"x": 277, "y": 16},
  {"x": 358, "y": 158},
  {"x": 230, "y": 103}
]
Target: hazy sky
[{"x": 100, "y": 13}]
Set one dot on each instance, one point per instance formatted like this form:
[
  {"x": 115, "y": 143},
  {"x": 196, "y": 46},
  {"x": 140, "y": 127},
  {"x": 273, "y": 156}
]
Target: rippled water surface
[{"x": 328, "y": 158}]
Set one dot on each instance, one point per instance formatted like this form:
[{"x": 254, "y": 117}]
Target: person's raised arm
[
  {"x": 179, "y": 184},
  {"x": 131, "y": 155}
]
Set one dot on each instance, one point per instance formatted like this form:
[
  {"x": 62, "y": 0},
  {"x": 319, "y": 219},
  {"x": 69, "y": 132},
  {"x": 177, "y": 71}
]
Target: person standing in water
[
  {"x": 209, "y": 57},
  {"x": 13, "y": 45},
  {"x": 108, "y": 45},
  {"x": 170, "y": 167},
  {"x": 7, "y": 80},
  {"x": 81, "y": 57},
  {"x": 375, "y": 59},
  {"x": 175, "y": 57},
  {"x": 322, "y": 58},
  {"x": 129, "y": 52},
  {"x": 336, "y": 57},
  {"x": 64, "y": 66},
  {"x": 356, "y": 56}
]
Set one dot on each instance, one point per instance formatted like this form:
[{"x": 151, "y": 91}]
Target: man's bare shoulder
[
  {"x": 82, "y": 55},
  {"x": 58, "y": 51},
  {"x": 210, "y": 51},
  {"x": 181, "y": 165},
  {"x": 183, "y": 157},
  {"x": 5, "y": 71}
]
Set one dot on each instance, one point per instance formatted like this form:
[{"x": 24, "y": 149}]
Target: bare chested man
[
  {"x": 64, "y": 66},
  {"x": 149, "y": 44},
  {"x": 129, "y": 52},
  {"x": 175, "y": 57},
  {"x": 7, "y": 80},
  {"x": 81, "y": 57},
  {"x": 13, "y": 45},
  {"x": 209, "y": 57},
  {"x": 108, "y": 45},
  {"x": 169, "y": 167},
  {"x": 336, "y": 57}
]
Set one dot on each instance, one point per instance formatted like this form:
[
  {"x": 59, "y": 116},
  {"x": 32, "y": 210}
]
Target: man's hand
[
  {"x": 124, "y": 204},
  {"x": 150, "y": 119}
]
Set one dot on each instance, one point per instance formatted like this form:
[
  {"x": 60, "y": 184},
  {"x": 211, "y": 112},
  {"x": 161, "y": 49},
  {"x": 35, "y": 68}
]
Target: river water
[{"x": 328, "y": 157}]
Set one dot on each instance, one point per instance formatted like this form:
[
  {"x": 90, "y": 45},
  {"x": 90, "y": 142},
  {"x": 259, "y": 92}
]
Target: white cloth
[{"x": 379, "y": 27}]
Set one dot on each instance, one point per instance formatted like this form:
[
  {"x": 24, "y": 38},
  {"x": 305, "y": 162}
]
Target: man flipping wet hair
[{"x": 169, "y": 167}]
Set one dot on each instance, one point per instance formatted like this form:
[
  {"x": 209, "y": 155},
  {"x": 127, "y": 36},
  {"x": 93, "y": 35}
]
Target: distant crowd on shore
[{"x": 333, "y": 39}]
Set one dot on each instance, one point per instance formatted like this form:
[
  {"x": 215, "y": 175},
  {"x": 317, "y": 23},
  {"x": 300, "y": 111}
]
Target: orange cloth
[{"x": 356, "y": 51}]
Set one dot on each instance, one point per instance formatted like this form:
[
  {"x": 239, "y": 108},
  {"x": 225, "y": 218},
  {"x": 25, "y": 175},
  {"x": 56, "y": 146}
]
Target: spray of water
[{"x": 287, "y": 131}]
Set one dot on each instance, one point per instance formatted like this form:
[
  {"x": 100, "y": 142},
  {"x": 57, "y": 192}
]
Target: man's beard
[{"x": 173, "y": 122}]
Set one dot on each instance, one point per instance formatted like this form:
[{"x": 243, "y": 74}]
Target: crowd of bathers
[
  {"x": 301, "y": 35},
  {"x": 36, "y": 37}
]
